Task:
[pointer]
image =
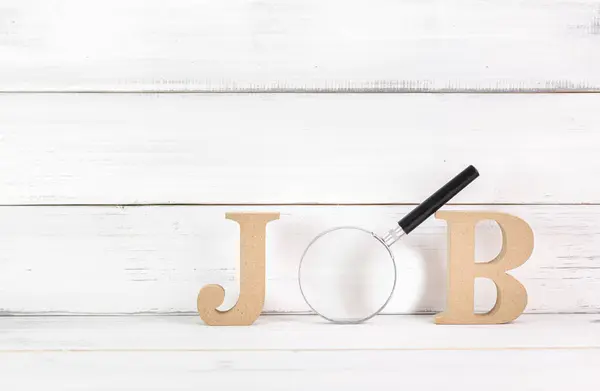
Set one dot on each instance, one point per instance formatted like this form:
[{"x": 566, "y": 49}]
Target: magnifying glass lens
[{"x": 347, "y": 274}]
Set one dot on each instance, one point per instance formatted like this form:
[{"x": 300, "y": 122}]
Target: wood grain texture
[
  {"x": 251, "y": 270},
  {"x": 463, "y": 268},
  {"x": 300, "y": 45},
  {"x": 296, "y": 353},
  {"x": 296, "y": 148},
  {"x": 120, "y": 260},
  {"x": 291, "y": 333},
  {"x": 297, "y": 371}
]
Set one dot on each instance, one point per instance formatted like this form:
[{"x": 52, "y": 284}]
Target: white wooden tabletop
[{"x": 286, "y": 352}]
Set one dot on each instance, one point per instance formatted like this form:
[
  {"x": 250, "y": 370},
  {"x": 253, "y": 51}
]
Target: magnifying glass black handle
[{"x": 438, "y": 199}]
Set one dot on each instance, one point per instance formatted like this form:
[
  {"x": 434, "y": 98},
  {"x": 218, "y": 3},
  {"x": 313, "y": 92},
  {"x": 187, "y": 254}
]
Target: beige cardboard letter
[
  {"x": 253, "y": 227},
  {"x": 517, "y": 246}
]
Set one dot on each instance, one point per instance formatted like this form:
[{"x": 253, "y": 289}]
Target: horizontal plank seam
[
  {"x": 270, "y": 313},
  {"x": 317, "y": 91},
  {"x": 128, "y": 205},
  {"x": 266, "y": 350}
]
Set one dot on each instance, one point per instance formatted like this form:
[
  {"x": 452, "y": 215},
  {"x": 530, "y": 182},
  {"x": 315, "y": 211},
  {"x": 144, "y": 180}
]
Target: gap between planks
[
  {"x": 152, "y": 350},
  {"x": 129, "y": 205},
  {"x": 406, "y": 91},
  {"x": 60, "y": 314}
]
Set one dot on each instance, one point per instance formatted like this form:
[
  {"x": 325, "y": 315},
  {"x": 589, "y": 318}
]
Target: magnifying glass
[{"x": 348, "y": 274}]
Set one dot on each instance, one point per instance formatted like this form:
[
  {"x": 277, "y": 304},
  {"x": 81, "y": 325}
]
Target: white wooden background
[
  {"x": 128, "y": 128},
  {"x": 297, "y": 45}
]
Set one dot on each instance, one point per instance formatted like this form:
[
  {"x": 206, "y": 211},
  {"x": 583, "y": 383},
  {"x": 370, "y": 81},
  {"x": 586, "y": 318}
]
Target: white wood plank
[
  {"x": 296, "y": 353},
  {"x": 291, "y": 333},
  {"x": 298, "y": 148},
  {"x": 269, "y": 45},
  {"x": 472, "y": 370},
  {"x": 156, "y": 259}
]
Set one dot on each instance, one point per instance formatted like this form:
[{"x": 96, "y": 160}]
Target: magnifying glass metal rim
[
  {"x": 348, "y": 321},
  {"x": 405, "y": 226}
]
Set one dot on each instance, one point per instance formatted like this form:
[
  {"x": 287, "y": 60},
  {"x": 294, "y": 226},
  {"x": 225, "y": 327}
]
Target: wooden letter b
[{"x": 517, "y": 246}]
